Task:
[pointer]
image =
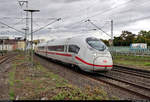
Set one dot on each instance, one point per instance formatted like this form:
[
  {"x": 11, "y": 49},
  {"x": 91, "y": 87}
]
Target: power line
[
  {"x": 104, "y": 25},
  {"x": 81, "y": 10},
  {"x": 97, "y": 27},
  {"x": 18, "y": 22},
  {"x": 6, "y": 17},
  {"x": 34, "y": 22},
  {"x": 46, "y": 25},
  {"x": 81, "y": 21},
  {"x": 12, "y": 27},
  {"x": 106, "y": 10}
]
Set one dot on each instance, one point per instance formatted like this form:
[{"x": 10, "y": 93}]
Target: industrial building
[{"x": 11, "y": 44}]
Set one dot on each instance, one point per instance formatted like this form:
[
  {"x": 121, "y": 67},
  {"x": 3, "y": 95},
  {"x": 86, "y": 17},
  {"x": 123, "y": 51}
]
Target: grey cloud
[
  {"x": 65, "y": 1},
  {"x": 73, "y": 11}
]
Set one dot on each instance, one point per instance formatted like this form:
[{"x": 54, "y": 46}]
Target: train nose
[{"x": 102, "y": 63}]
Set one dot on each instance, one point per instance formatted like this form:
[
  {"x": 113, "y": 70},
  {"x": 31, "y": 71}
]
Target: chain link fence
[{"x": 126, "y": 50}]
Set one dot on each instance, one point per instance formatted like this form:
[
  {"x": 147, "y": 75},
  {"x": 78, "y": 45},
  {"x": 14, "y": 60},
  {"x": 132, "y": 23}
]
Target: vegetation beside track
[
  {"x": 38, "y": 83},
  {"x": 141, "y": 62}
]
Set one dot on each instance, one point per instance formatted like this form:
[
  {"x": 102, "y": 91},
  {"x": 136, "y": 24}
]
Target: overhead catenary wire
[
  {"x": 97, "y": 27},
  {"x": 12, "y": 27},
  {"x": 18, "y": 22},
  {"x": 7, "y": 17},
  {"x": 36, "y": 24},
  {"x": 106, "y": 10},
  {"x": 82, "y": 21},
  {"x": 89, "y": 16},
  {"x": 43, "y": 18},
  {"x": 13, "y": 19},
  {"x": 46, "y": 25},
  {"x": 110, "y": 9},
  {"x": 79, "y": 10}
]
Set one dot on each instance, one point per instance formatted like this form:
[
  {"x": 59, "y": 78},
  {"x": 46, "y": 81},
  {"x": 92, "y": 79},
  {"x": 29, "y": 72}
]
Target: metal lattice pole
[{"x": 32, "y": 32}]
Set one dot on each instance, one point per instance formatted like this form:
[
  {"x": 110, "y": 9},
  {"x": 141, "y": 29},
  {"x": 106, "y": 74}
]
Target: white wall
[{"x": 7, "y": 47}]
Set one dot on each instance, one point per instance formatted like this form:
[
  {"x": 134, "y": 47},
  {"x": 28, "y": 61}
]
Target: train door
[
  {"x": 67, "y": 59},
  {"x": 73, "y": 58},
  {"x": 46, "y": 49},
  {"x": 73, "y": 49}
]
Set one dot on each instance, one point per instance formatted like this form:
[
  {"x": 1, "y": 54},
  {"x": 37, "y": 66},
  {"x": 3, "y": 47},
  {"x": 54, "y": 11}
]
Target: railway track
[
  {"x": 6, "y": 57},
  {"x": 132, "y": 89},
  {"x": 132, "y": 71},
  {"x": 129, "y": 86},
  {"x": 130, "y": 78},
  {"x": 136, "y": 88},
  {"x": 3, "y": 59},
  {"x": 135, "y": 81},
  {"x": 119, "y": 82}
]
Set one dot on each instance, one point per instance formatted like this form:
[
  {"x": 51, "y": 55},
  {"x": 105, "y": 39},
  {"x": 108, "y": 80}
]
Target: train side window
[
  {"x": 41, "y": 47},
  {"x": 56, "y": 48},
  {"x": 96, "y": 43},
  {"x": 60, "y": 48},
  {"x": 51, "y": 48},
  {"x": 65, "y": 48},
  {"x": 74, "y": 49}
]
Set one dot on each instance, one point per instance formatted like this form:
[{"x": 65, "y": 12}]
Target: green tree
[
  {"x": 125, "y": 39},
  {"x": 144, "y": 37},
  {"x": 106, "y": 42}
]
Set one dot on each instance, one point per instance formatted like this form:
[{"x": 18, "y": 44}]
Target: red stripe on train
[
  {"x": 69, "y": 55},
  {"x": 92, "y": 64},
  {"x": 61, "y": 54},
  {"x": 50, "y": 52}
]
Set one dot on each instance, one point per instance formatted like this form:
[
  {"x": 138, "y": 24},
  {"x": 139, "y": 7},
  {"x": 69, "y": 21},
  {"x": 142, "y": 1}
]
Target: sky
[{"x": 131, "y": 15}]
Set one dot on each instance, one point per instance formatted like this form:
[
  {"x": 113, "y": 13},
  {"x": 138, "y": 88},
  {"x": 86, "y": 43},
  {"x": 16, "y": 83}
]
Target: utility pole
[
  {"x": 32, "y": 31},
  {"x": 3, "y": 48},
  {"x": 25, "y": 48},
  {"x": 27, "y": 28},
  {"x": 112, "y": 33}
]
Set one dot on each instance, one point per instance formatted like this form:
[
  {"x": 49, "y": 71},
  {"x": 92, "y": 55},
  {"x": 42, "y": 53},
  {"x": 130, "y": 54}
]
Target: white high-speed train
[{"x": 87, "y": 52}]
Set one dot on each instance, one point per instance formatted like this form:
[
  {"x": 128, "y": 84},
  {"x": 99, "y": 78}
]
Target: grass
[
  {"x": 76, "y": 94},
  {"x": 137, "y": 58},
  {"x": 11, "y": 82},
  {"x": 133, "y": 61},
  {"x": 147, "y": 64},
  {"x": 35, "y": 83}
]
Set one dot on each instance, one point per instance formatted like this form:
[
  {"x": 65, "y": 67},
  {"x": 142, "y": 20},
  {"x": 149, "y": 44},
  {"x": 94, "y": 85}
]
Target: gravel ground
[
  {"x": 4, "y": 86},
  {"x": 136, "y": 67},
  {"x": 131, "y": 78},
  {"x": 83, "y": 81},
  {"x": 73, "y": 77}
]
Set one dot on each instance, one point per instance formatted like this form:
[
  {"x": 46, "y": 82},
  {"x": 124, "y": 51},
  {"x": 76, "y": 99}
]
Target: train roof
[
  {"x": 41, "y": 44},
  {"x": 63, "y": 40},
  {"x": 67, "y": 38}
]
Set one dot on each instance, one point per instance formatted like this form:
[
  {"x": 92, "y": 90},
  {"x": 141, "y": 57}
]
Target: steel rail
[
  {"x": 132, "y": 73},
  {"x": 97, "y": 78},
  {"x": 5, "y": 58},
  {"x": 132, "y": 69},
  {"x": 125, "y": 81},
  {"x": 123, "y": 88}
]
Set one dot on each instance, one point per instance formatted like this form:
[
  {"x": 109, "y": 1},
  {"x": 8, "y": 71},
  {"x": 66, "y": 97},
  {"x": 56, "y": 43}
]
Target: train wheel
[
  {"x": 106, "y": 71},
  {"x": 77, "y": 68}
]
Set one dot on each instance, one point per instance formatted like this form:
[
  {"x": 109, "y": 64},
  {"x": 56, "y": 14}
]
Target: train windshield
[{"x": 96, "y": 44}]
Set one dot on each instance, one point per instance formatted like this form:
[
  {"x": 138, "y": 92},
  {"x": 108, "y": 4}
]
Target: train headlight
[{"x": 94, "y": 54}]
